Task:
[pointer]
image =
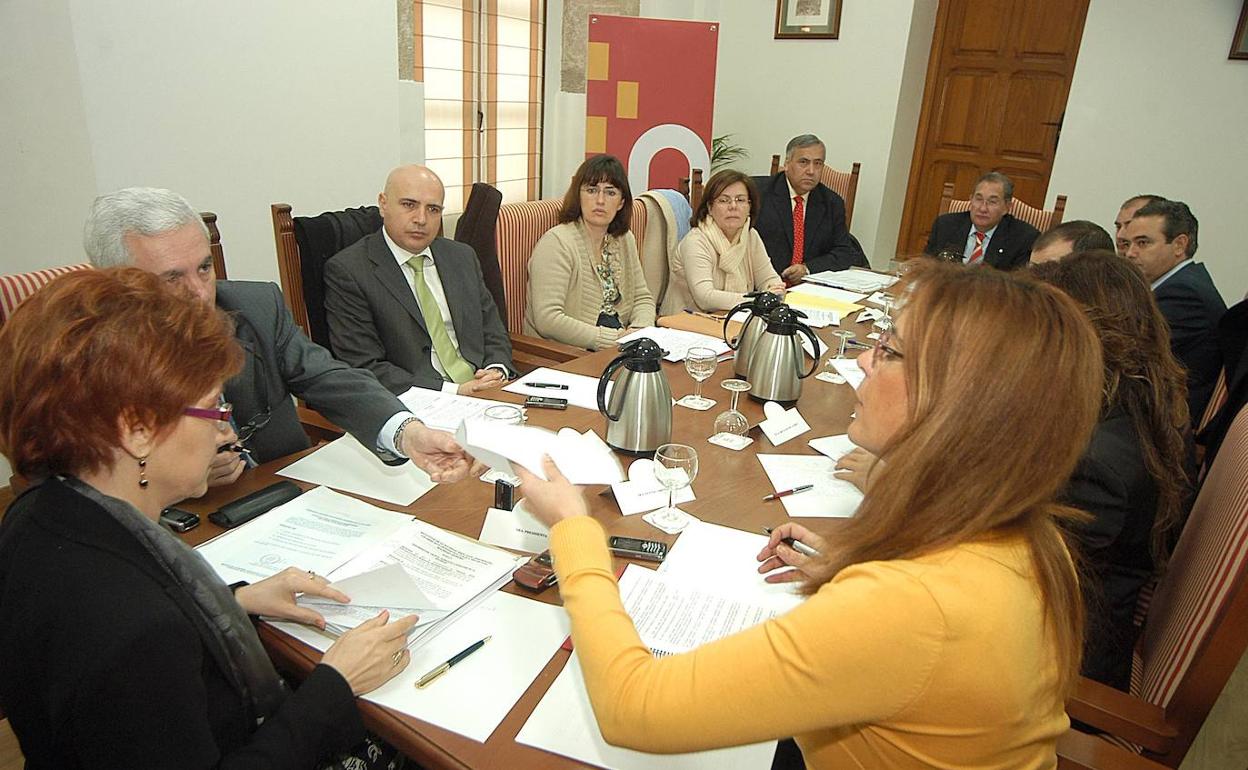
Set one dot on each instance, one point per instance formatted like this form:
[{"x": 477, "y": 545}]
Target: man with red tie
[
  {"x": 985, "y": 234},
  {"x": 802, "y": 222}
]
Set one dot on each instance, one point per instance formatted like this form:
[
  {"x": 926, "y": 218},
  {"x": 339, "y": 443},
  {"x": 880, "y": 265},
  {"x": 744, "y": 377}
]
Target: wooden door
[{"x": 996, "y": 91}]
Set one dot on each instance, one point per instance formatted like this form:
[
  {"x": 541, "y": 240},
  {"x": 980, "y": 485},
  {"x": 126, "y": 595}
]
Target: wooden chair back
[
  {"x": 214, "y": 243},
  {"x": 1040, "y": 219},
  {"x": 843, "y": 183},
  {"x": 1197, "y": 627}
]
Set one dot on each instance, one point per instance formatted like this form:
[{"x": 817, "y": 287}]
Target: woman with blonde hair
[
  {"x": 943, "y": 624},
  {"x": 722, "y": 257},
  {"x": 586, "y": 286}
]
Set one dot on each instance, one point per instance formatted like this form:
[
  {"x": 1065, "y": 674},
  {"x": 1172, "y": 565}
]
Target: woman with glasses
[
  {"x": 942, "y": 625},
  {"x": 122, "y": 647},
  {"x": 721, "y": 258},
  {"x": 586, "y": 286}
]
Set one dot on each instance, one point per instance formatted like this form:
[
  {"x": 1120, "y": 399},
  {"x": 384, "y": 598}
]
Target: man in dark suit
[
  {"x": 411, "y": 307},
  {"x": 158, "y": 231},
  {"x": 985, "y": 234},
  {"x": 1162, "y": 243},
  {"x": 793, "y": 201}
]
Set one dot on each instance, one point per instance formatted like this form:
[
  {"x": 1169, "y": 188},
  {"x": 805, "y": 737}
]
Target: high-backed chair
[
  {"x": 1197, "y": 625},
  {"x": 214, "y": 243},
  {"x": 844, "y": 183},
  {"x": 1040, "y": 219}
]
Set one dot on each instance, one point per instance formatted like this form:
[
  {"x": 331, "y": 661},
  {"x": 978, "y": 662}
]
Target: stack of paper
[
  {"x": 581, "y": 391},
  {"x": 346, "y": 465},
  {"x": 386, "y": 588},
  {"x": 583, "y": 458},
  {"x": 445, "y": 411},
  {"x": 864, "y": 281},
  {"x": 677, "y": 342},
  {"x": 725, "y": 560},
  {"x": 831, "y": 497}
]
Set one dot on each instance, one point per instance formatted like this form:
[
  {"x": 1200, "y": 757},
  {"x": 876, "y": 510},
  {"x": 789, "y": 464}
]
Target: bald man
[{"x": 412, "y": 307}]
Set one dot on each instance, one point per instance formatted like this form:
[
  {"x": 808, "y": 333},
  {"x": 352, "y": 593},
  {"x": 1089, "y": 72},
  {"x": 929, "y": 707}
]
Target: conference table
[{"x": 729, "y": 487}]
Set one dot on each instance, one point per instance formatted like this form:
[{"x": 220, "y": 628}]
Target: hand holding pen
[{"x": 790, "y": 546}]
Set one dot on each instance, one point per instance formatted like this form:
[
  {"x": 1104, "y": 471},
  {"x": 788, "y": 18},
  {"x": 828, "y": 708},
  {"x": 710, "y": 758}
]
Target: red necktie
[
  {"x": 799, "y": 231},
  {"x": 978, "y": 253}
]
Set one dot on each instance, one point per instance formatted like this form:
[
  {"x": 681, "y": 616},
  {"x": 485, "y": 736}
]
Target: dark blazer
[
  {"x": 1233, "y": 342},
  {"x": 281, "y": 361},
  {"x": 828, "y": 245},
  {"x": 1009, "y": 247},
  {"x": 1111, "y": 483},
  {"x": 108, "y": 664},
  {"x": 375, "y": 322},
  {"x": 1193, "y": 307}
]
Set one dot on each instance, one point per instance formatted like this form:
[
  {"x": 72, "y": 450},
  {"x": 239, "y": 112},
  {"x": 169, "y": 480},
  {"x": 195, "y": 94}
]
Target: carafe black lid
[
  {"x": 784, "y": 320},
  {"x": 763, "y": 301},
  {"x": 643, "y": 354}
]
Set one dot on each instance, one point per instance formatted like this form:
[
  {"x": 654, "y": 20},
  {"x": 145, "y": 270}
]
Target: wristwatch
[{"x": 398, "y": 434}]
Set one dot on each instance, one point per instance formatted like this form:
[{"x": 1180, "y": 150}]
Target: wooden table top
[{"x": 730, "y": 486}]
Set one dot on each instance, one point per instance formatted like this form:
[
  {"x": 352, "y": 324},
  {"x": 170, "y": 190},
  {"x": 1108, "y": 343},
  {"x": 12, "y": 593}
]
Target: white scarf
[{"x": 732, "y": 263}]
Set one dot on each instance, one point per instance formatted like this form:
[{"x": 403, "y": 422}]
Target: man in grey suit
[
  {"x": 158, "y": 231},
  {"x": 411, "y": 307}
]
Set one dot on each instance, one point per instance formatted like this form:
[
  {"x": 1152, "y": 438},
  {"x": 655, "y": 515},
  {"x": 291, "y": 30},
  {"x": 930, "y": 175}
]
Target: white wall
[
  {"x": 860, "y": 94},
  {"x": 1156, "y": 107}
]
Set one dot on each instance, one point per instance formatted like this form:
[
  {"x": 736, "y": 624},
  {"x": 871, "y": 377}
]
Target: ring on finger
[{"x": 397, "y": 657}]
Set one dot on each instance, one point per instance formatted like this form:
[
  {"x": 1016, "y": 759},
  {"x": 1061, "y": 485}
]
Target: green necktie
[{"x": 453, "y": 363}]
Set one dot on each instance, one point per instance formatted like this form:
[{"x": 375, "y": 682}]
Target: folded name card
[
  {"x": 643, "y": 492},
  {"x": 782, "y": 424}
]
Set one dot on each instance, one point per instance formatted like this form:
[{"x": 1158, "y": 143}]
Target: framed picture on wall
[
  {"x": 813, "y": 19},
  {"x": 1239, "y": 45}
]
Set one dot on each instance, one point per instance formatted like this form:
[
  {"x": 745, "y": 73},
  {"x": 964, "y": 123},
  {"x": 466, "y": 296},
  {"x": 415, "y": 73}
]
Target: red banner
[{"x": 650, "y": 96}]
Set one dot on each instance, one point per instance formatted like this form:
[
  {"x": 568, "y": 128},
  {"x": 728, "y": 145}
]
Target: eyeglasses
[
  {"x": 740, "y": 200},
  {"x": 993, "y": 201},
  {"x": 593, "y": 191},
  {"x": 884, "y": 352},
  {"x": 221, "y": 415}
]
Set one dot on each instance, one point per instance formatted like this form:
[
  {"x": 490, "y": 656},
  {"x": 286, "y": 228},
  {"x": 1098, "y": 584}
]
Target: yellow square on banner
[
  {"x": 595, "y": 133},
  {"x": 626, "y": 99},
  {"x": 597, "y": 61}
]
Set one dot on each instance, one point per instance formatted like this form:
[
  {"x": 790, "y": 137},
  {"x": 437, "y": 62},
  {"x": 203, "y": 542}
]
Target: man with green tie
[{"x": 412, "y": 307}]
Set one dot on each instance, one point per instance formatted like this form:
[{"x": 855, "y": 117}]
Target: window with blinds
[{"x": 481, "y": 62}]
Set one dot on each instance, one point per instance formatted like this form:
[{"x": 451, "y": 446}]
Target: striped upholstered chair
[
  {"x": 1038, "y": 218},
  {"x": 1197, "y": 625}
]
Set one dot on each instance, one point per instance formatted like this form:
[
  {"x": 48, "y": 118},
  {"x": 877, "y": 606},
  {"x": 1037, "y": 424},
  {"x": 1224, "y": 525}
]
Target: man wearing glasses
[
  {"x": 158, "y": 231},
  {"x": 802, "y": 222},
  {"x": 986, "y": 234}
]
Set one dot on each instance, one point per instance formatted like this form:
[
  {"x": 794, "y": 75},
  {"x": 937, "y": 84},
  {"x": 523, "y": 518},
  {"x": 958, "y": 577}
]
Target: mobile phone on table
[
  {"x": 537, "y": 574},
  {"x": 179, "y": 520},
  {"x": 636, "y": 548},
  {"x": 546, "y": 402}
]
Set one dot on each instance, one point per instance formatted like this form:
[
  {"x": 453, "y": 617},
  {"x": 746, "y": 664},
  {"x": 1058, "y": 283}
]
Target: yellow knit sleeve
[{"x": 858, "y": 651}]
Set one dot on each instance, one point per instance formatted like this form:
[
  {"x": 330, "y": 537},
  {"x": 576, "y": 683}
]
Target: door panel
[{"x": 997, "y": 84}]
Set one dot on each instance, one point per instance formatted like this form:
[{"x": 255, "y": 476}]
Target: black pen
[
  {"x": 796, "y": 545},
  {"x": 425, "y": 680},
  {"x": 549, "y": 385}
]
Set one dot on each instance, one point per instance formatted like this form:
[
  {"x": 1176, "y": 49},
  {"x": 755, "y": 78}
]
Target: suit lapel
[
  {"x": 388, "y": 273},
  {"x": 451, "y": 275},
  {"x": 784, "y": 210},
  {"x": 816, "y": 213}
]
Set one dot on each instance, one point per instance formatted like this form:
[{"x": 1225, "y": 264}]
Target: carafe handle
[
  {"x": 814, "y": 346},
  {"x": 734, "y": 344},
  {"x": 602, "y": 386}
]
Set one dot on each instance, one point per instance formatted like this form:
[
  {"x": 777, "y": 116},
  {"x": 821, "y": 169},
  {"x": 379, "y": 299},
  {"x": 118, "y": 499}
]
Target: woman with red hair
[{"x": 121, "y": 646}]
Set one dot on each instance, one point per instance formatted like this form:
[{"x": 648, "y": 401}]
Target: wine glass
[
  {"x": 845, "y": 336},
  {"x": 675, "y": 466},
  {"x": 732, "y": 421},
  {"x": 700, "y": 364},
  {"x": 885, "y": 322}
]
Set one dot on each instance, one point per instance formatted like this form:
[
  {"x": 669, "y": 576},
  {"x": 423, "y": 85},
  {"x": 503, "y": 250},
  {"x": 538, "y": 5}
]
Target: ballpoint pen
[
  {"x": 425, "y": 680},
  {"x": 787, "y": 492},
  {"x": 796, "y": 545},
  {"x": 549, "y": 385}
]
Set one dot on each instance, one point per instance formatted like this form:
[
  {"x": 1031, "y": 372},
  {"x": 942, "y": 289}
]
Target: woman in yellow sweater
[
  {"x": 943, "y": 624},
  {"x": 586, "y": 287}
]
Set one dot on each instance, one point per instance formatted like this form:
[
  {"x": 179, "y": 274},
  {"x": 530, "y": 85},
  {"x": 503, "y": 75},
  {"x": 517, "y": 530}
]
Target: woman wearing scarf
[
  {"x": 121, "y": 646},
  {"x": 721, "y": 258}
]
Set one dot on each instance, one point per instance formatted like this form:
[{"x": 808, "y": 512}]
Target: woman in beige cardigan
[
  {"x": 721, "y": 258},
  {"x": 586, "y": 286}
]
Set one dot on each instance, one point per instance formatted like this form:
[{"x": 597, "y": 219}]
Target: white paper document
[
  {"x": 835, "y": 447},
  {"x": 818, "y": 319},
  {"x": 724, "y": 559},
  {"x": 320, "y": 530},
  {"x": 850, "y": 370},
  {"x": 563, "y": 723},
  {"x": 831, "y": 497},
  {"x": 445, "y": 411},
  {"x": 643, "y": 492},
  {"x": 346, "y": 465},
  {"x": 583, "y": 458},
  {"x": 853, "y": 279},
  {"x": 473, "y": 697},
  {"x": 582, "y": 390},
  {"x": 516, "y": 529},
  {"x": 677, "y": 341},
  {"x": 385, "y": 588}
]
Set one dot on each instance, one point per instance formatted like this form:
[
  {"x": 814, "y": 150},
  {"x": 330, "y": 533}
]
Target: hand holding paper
[{"x": 583, "y": 458}]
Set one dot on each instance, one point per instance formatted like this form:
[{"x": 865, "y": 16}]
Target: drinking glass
[
  {"x": 675, "y": 466},
  {"x": 505, "y": 414},
  {"x": 845, "y": 336},
  {"x": 700, "y": 364},
  {"x": 885, "y": 322},
  {"x": 732, "y": 421}
]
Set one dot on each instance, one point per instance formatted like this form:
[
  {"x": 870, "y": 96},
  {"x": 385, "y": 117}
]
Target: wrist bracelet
[{"x": 398, "y": 435}]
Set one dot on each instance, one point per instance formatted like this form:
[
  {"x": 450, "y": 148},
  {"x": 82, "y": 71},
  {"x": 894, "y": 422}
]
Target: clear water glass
[
  {"x": 675, "y": 467},
  {"x": 700, "y": 363},
  {"x": 844, "y": 335},
  {"x": 505, "y": 414},
  {"x": 733, "y": 421}
]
